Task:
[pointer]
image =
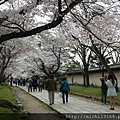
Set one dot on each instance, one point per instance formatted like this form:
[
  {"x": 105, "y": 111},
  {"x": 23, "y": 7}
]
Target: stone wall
[{"x": 94, "y": 76}]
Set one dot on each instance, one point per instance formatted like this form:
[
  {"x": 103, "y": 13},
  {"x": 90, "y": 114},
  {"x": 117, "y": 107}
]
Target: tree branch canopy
[
  {"x": 31, "y": 32},
  {"x": 36, "y": 30},
  {"x": 2, "y": 2}
]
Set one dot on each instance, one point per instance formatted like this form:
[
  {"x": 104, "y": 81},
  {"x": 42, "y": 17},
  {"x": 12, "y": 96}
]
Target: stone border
[
  {"x": 92, "y": 98},
  {"x": 19, "y": 103}
]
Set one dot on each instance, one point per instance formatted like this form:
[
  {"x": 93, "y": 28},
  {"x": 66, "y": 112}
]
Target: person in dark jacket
[
  {"x": 30, "y": 85},
  {"x": 103, "y": 89},
  {"x": 64, "y": 88},
  {"x": 40, "y": 85},
  {"x": 34, "y": 79}
]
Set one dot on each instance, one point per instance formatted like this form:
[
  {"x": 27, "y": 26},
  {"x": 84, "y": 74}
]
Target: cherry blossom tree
[
  {"x": 81, "y": 18},
  {"x": 23, "y": 13},
  {"x": 102, "y": 25},
  {"x": 47, "y": 56},
  {"x": 8, "y": 53}
]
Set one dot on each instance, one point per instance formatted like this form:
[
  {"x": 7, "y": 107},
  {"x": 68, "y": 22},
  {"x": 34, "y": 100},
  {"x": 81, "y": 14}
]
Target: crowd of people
[
  {"x": 33, "y": 83},
  {"x": 108, "y": 84}
]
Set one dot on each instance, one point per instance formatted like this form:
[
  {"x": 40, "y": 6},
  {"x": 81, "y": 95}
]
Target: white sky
[{"x": 41, "y": 19}]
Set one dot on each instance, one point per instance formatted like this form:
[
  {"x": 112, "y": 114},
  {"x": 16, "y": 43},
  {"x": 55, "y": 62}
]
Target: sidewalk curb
[{"x": 92, "y": 98}]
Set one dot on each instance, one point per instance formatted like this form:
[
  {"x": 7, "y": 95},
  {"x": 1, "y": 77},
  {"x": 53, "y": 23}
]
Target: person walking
[
  {"x": 34, "y": 79},
  {"x": 103, "y": 89},
  {"x": 30, "y": 82},
  {"x": 111, "y": 92},
  {"x": 51, "y": 87},
  {"x": 64, "y": 88},
  {"x": 21, "y": 81},
  {"x": 40, "y": 85}
]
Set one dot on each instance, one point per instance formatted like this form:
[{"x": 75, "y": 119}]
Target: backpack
[
  {"x": 116, "y": 87},
  {"x": 40, "y": 83}
]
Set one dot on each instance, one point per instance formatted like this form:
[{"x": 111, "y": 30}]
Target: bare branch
[
  {"x": 36, "y": 30},
  {"x": 2, "y": 2}
]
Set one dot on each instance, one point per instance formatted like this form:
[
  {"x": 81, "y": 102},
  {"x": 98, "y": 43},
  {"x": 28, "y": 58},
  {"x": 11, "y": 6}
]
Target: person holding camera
[{"x": 103, "y": 89}]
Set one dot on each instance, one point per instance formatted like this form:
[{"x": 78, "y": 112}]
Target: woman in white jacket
[{"x": 111, "y": 92}]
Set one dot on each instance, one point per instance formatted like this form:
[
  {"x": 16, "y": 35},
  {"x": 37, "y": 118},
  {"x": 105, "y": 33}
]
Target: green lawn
[
  {"x": 89, "y": 91},
  {"x": 95, "y": 92},
  {"x": 6, "y": 93},
  {"x": 7, "y": 100},
  {"x": 8, "y": 104}
]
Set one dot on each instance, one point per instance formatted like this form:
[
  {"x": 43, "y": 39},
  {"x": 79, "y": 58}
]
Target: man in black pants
[
  {"x": 64, "y": 87},
  {"x": 103, "y": 89}
]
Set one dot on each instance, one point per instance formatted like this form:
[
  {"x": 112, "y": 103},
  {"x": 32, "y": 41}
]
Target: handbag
[
  {"x": 116, "y": 87},
  {"x": 27, "y": 84},
  {"x": 40, "y": 83},
  {"x": 60, "y": 95}
]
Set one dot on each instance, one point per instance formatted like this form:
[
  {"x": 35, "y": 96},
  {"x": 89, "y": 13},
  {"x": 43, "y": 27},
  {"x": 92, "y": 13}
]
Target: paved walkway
[{"x": 74, "y": 105}]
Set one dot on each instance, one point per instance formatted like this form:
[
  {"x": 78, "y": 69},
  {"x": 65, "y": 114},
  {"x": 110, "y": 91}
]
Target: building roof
[{"x": 76, "y": 71}]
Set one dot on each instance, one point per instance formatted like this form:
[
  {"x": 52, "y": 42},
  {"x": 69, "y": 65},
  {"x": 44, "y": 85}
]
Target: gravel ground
[{"x": 36, "y": 109}]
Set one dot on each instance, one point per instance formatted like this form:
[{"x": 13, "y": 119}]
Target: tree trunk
[{"x": 86, "y": 76}]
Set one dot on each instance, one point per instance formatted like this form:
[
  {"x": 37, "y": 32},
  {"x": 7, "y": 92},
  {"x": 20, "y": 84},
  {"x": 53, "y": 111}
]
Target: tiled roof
[{"x": 117, "y": 66}]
